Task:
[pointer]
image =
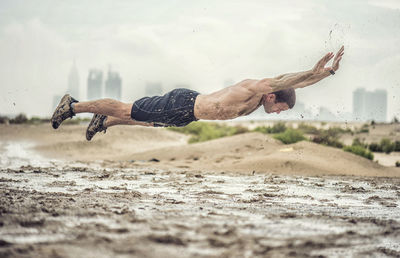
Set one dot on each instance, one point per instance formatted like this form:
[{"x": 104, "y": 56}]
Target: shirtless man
[{"x": 182, "y": 106}]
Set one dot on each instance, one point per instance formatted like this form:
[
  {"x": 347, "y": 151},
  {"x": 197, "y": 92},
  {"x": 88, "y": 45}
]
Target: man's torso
[{"x": 228, "y": 103}]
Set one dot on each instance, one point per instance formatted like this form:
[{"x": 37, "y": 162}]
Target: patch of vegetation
[
  {"x": 308, "y": 129},
  {"x": 290, "y": 136},
  {"x": 364, "y": 128},
  {"x": 358, "y": 142},
  {"x": 203, "y": 131},
  {"x": 19, "y": 119},
  {"x": 23, "y": 119},
  {"x": 330, "y": 137},
  {"x": 279, "y": 127},
  {"x": 4, "y": 120},
  {"x": 397, "y": 163},
  {"x": 397, "y": 146},
  {"x": 385, "y": 145},
  {"x": 375, "y": 147},
  {"x": 360, "y": 151}
]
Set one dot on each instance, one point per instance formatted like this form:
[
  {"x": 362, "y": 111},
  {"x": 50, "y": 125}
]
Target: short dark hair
[{"x": 287, "y": 96}]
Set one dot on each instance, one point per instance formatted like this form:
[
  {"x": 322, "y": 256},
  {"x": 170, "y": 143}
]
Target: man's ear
[{"x": 271, "y": 98}]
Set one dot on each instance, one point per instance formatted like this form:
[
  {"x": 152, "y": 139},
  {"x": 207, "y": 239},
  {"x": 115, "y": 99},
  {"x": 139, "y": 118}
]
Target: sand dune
[
  {"x": 132, "y": 146},
  {"x": 263, "y": 154}
]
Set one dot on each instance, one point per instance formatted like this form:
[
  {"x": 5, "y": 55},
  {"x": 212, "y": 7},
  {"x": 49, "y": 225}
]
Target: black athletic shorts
[{"x": 176, "y": 108}]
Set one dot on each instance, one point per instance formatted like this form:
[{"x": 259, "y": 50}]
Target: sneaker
[
  {"x": 63, "y": 111},
  {"x": 95, "y": 126}
]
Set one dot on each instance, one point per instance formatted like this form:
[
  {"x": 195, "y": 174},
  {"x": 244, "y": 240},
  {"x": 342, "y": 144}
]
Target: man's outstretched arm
[{"x": 301, "y": 79}]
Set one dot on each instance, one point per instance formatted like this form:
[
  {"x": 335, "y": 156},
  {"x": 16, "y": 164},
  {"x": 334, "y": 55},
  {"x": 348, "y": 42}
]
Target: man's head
[{"x": 278, "y": 101}]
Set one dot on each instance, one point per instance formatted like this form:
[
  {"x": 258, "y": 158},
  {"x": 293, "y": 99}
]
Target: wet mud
[{"x": 83, "y": 210}]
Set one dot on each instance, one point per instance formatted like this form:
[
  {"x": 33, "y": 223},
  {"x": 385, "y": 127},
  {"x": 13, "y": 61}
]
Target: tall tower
[
  {"x": 380, "y": 104},
  {"x": 359, "y": 104},
  {"x": 370, "y": 105},
  {"x": 73, "y": 82},
  {"x": 95, "y": 84},
  {"x": 113, "y": 85}
]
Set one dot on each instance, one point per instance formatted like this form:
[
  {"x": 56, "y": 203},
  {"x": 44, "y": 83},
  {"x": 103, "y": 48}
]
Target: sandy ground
[{"x": 144, "y": 192}]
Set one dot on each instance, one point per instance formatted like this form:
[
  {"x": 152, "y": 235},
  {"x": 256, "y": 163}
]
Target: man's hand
[
  {"x": 300, "y": 79},
  {"x": 338, "y": 57},
  {"x": 320, "y": 66}
]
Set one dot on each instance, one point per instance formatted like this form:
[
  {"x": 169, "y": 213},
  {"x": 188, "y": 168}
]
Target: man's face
[{"x": 271, "y": 107}]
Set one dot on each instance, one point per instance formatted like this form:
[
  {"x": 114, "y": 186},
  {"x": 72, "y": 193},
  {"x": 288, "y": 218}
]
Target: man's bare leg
[
  {"x": 108, "y": 107},
  {"x": 100, "y": 123},
  {"x": 111, "y": 121}
]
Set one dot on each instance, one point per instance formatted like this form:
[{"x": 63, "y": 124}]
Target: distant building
[
  {"x": 325, "y": 114},
  {"x": 153, "y": 89},
  {"x": 370, "y": 105},
  {"x": 113, "y": 85},
  {"x": 95, "y": 84},
  {"x": 73, "y": 82}
]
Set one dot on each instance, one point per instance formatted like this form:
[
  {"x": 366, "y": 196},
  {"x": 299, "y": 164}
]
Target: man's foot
[
  {"x": 95, "y": 126},
  {"x": 63, "y": 111}
]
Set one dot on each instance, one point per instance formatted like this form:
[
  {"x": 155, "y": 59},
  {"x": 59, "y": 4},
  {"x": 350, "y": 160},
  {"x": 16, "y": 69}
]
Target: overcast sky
[{"x": 204, "y": 44}]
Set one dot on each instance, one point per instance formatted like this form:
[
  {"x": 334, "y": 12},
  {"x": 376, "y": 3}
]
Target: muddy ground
[
  {"x": 83, "y": 210},
  {"x": 58, "y": 208}
]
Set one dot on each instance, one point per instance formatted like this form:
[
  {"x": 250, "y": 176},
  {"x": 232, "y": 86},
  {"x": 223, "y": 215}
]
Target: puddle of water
[{"x": 15, "y": 154}]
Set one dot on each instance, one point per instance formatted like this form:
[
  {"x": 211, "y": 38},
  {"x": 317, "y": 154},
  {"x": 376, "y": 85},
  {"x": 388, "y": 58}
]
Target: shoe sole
[
  {"x": 90, "y": 124},
  {"x": 63, "y": 101}
]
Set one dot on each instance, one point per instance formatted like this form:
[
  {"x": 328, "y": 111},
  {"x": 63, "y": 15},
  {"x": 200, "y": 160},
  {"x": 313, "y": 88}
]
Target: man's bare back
[{"x": 228, "y": 103}]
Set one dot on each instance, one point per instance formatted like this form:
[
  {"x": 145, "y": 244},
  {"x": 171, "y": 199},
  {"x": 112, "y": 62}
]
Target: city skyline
[{"x": 197, "y": 44}]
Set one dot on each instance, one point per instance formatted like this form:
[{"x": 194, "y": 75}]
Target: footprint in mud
[
  {"x": 8, "y": 180},
  {"x": 382, "y": 201},
  {"x": 209, "y": 192},
  {"x": 62, "y": 183},
  {"x": 220, "y": 242},
  {"x": 167, "y": 239},
  {"x": 353, "y": 189},
  {"x": 32, "y": 223}
]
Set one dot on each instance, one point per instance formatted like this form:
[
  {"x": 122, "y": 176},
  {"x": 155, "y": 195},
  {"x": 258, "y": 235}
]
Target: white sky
[{"x": 199, "y": 43}]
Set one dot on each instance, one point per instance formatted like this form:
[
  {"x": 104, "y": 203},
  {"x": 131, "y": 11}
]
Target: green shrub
[
  {"x": 328, "y": 141},
  {"x": 35, "y": 120},
  {"x": 203, "y": 131},
  {"x": 360, "y": 151},
  {"x": 290, "y": 136},
  {"x": 387, "y": 145},
  {"x": 4, "y": 119},
  {"x": 364, "y": 128},
  {"x": 397, "y": 163},
  {"x": 329, "y": 137},
  {"x": 397, "y": 146},
  {"x": 358, "y": 142},
  {"x": 336, "y": 131},
  {"x": 308, "y": 129},
  {"x": 262, "y": 129},
  {"x": 375, "y": 147},
  {"x": 19, "y": 119},
  {"x": 276, "y": 128}
]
